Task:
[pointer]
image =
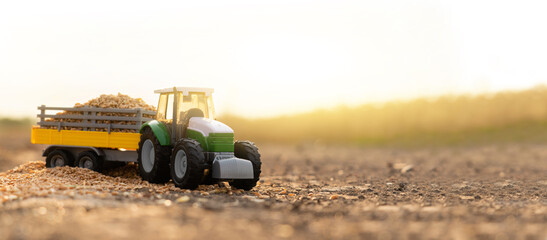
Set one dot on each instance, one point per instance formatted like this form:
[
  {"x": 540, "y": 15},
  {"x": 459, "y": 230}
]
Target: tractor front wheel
[
  {"x": 247, "y": 150},
  {"x": 187, "y": 164}
]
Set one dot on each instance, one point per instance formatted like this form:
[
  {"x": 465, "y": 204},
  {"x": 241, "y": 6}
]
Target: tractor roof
[{"x": 186, "y": 90}]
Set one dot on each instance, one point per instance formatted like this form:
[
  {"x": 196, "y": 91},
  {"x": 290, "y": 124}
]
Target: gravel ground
[{"x": 305, "y": 192}]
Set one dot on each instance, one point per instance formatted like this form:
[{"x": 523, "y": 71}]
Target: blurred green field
[
  {"x": 503, "y": 117},
  {"x": 14, "y": 122}
]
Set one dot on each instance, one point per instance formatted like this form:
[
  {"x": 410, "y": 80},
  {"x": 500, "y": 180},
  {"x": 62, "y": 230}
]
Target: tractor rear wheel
[
  {"x": 187, "y": 164},
  {"x": 153, "y": 159},
  {"x": 247, "y": 150}
]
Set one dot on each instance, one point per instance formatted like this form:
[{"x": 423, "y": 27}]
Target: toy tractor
[{"x": 186, "y": 143}]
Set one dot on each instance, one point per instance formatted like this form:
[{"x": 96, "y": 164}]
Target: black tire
[
  {"x": 59, "y": 158},
  {"x": 189, "y": 175},
  {"x": 154, "y": 169},
  {"x": 90, "y": 160},
  {"x": 247, "y": 150}
]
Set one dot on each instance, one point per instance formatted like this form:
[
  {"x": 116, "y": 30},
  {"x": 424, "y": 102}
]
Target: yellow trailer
[
  {"x": 114, "y": 140},
  {"x": 89, "y": 137}
]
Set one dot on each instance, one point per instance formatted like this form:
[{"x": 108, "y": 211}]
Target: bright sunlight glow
[{"x": 266, "y": 58}]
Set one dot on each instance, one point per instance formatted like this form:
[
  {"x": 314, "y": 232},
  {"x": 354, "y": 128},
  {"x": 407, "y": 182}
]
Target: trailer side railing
[{"x": 89, "y": 118}]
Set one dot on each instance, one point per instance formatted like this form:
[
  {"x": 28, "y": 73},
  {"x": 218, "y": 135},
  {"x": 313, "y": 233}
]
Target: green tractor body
[{"x": 214, "y": 142}]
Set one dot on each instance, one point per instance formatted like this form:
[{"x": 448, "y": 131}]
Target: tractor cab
[{"x": 178, "y": 105}]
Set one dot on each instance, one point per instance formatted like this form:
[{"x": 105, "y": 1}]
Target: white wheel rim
[
  {"x": 181, "y": 164},
  {"x": 58, "y": 161},
  {"x": 148, "y": 155}
]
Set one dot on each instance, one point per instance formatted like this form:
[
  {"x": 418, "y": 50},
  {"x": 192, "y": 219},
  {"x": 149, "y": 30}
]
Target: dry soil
[{"x": 306, "y": 192}]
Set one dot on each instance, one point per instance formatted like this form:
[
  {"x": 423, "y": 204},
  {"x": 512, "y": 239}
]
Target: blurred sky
[{"x": 267, "y": 57}]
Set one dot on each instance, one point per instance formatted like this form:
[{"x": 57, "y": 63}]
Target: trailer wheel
[
  {"x": 247, "y": 150},
  {"x": 187, "y": 164},
  {"x": 89, "y": 160},
  {"x": 59, "y": 158},
  {"x": 153, "y": 159}
]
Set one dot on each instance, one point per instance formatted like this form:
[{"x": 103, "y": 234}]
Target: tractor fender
[{"x": 160, "y": 131}]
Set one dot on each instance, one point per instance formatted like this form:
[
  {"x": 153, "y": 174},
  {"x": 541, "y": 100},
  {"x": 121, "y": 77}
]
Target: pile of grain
[
  {"x": 33, "y": 179},
  {"x": 116, "y": 101},
  {"x": 120, "y": 101}
]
